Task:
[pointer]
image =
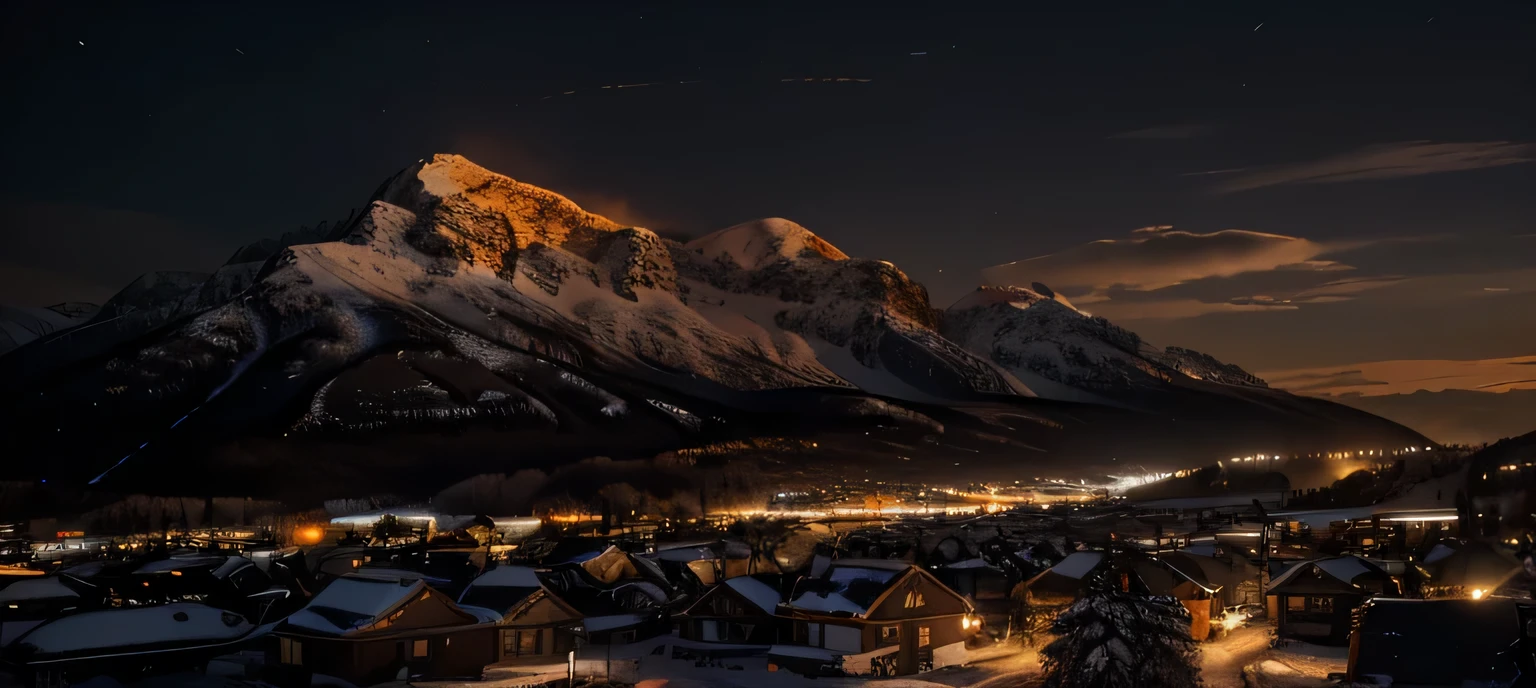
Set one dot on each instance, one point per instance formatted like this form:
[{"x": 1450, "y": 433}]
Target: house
[
  {"x": 369, "y": 630},
  {"x": 1436, "y": 642},
  {"x": 127, "y": 643},
  {"x": 1234, "y": 577},
  {"x": 741, "y": 610},
  {"x": 535, "y": 626},
  {"x": 879, "y": 617},
  {"x": 1314, "y": 600},
  {"x": 1063, "y": 583}
]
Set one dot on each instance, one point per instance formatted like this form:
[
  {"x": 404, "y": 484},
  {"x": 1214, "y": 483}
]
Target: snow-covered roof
[
  {"x": 855, "y": 584},
  {"x": 508, "y": 577},
  {"x": 973, "y": 563},
  {"x": 686, "y": 554},
  {"x": 1343, "y": 568},
  {"x": 46, "y": 588},
  {"x": 351, "y": 602},
  {"x": 597, "y": 624},
  {"x": 762, "y": 595},
  {"x": 826, "y": 602},
  {"x": 386, "y": 573},
  {"x": 1346, "y": 569},
  {"x": 881, "y": 564},
  {"x": 182, "y": 622},
  {"x": 482, "y": 614},
  {"x": 1078, "y": 564},
  {"x": 1438, "y": 552},
  {"x": 802, "y": 651}
]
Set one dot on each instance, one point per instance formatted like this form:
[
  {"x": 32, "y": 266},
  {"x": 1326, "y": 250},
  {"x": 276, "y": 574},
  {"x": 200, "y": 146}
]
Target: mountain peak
[
  {"x": 470, "y": 213},
  {"x": 760, "y": 243}
]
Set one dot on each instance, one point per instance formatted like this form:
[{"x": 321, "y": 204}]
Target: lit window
[
  {"x": 418, "y": 649},
  {"x": 914, "y": 599},
  {"x": 922, "y": 636},
  {"x": 1295, "y": 604}
]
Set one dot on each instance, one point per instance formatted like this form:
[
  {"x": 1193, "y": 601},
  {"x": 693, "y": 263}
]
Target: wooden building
[
  {"x": 741, "y": 610},
  {"x": 881, "y": 617},
  {"x": 369, "y": 630},
  {"x": 535, "y": 626},
  {"x": 1315, "y": 600}
]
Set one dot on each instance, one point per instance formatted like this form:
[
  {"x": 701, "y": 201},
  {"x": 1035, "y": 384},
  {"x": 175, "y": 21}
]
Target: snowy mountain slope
[
  {"x": 461, "y": 298},
  {"x": 490, "y": 324},
  {"x": 1036, "y": 333},
  {"x": 22, "y": 324}
]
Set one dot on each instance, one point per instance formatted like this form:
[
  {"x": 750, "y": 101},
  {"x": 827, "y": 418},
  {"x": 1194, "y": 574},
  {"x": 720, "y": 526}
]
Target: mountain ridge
[{"x": 464, "y": 301}]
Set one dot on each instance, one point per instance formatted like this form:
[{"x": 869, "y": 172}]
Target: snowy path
[{"x": 1222, "y": 662}]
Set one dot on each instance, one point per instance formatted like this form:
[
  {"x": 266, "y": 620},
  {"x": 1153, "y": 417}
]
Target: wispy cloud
[
  {"x": 1163, "y": 133},
  {"x": 1163, "y": 257},
  {"x": 1383, "y": 161}
]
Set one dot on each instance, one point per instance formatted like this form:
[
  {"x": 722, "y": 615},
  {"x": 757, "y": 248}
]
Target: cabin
[
  {"x": 1436, "y": 642},
  {"x": 127, "y": 643},
  {"x": 878, "y": 617},
  {"x": 1063, "y": 583},
  {"x": 535, "y": 626},
  {"x": 741, "y": 610},
  {"x": 1315, "y": 600},
  {"x": 368, "y": 630}
]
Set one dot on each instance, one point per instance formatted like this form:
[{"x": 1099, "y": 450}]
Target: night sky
[{"x": 1377, "y": 156}]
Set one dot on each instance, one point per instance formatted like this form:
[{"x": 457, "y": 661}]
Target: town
[{"x": 1364, "y": 578}]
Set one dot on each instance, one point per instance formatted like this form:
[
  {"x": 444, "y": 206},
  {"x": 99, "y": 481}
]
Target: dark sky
[{"x": 1392, "y": 140}]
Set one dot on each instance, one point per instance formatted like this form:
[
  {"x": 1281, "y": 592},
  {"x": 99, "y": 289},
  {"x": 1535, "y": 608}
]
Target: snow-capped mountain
[
  {"x": 1038, "y": 336},
  {"x": 529, "y": 330}
]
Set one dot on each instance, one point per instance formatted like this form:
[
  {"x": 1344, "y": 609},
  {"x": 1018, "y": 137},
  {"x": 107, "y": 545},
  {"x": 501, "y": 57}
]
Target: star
[
  {"x": 1256, "y": 28},
  {"x": 82, "y": 42}
]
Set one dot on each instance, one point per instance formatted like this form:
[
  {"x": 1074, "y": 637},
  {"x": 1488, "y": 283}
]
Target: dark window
[
  {"x": 890, "y": 635},
  {"x": 1321, "y": 604}
]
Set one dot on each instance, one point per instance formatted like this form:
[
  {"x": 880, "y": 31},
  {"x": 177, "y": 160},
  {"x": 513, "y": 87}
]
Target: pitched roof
[
  {"x": 850, "y": 585},
  {"x": 760, "y": 594},
  {"x": 45, "y": 588},
  {"x": 354, "y": 602},
  {"x": 1343, "y": 573}
]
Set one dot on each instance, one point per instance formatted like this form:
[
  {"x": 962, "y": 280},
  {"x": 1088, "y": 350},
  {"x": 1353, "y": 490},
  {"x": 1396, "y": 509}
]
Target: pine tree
[{"x": 1114, "y": 639}]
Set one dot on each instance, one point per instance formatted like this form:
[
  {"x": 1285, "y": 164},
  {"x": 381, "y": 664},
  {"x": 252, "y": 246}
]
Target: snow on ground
[{"x": 651, "y": 668}]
